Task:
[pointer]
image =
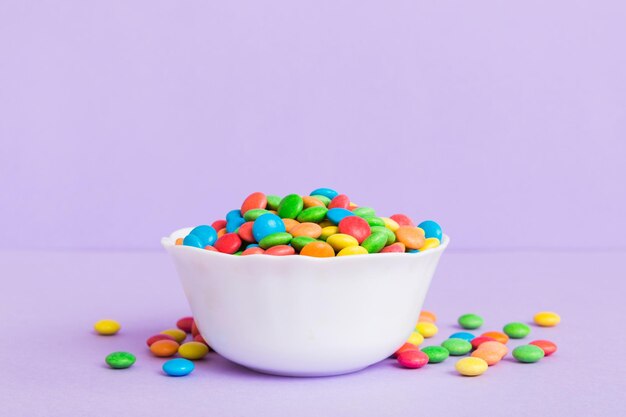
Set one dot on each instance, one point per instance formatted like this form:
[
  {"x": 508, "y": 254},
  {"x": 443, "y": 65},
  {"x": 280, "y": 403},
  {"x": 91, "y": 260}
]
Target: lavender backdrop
[{"x": 120, "y": 121}]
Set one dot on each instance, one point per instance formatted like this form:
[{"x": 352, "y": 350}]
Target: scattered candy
[
  {"x": 427, "y": 316},
  {"x": 426, "y": 329},
  {"x": 499, "y": 336},
  {"x": 178, "y": 367},
  {"x": 528, "y": 353},
  {"x": 491, "y": 352},
  {"x": 120, "y": 360},
  {"x": 436, "y": 354},
  {"x": 177, "y": 334},
  {"x": 193, "y": 350},
  {"x": 185, "y": 324},
  {"x": 405, "y": 347},
  {"x": 158, "y": 337},
  {"x": 477, "y": 341},
  {"x": 547, "y": 346},
  {"x": 416, "y": 339},
  {"x": 547, "y": 319},
  {"x": 457, "y": 347},
  {"x": 413, "y": 359},
  {"x": 462, "y": 335},
  {"x": 470, "y": 321},
  {"x": 471, "y": 366},
  {"x": 164, "y": 348},
  {"x": 516, "y": 330},
  {"x": 107, "y": 327}
]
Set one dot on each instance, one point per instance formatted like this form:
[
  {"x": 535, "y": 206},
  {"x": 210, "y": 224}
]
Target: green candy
[
  {"x": 238, "y": 253},
  {"x": 120, "y": 360},
  {"x": 391, "y": 236},
  {"x": 364, "y": 212},
  {"x": 528, "y": 353},
  {"x": 275, "y": 239},
  {"x": 375, "y": 221},
  {"x": 273, "y": 201},
  {"x": 312, "y": 214},
  {"x": 470, "y": 321},
  {"x": 290, "y": 206},
  {"x": 301, "y": 241},
  {"x": 323, "y": 199},
  {"x": 252, "y": 215},
  {"x": 457, "y": 347},
  {"x": 436, "y": 354},
  {"x": 516, "y": 330},
  {"x": 375, "y": 242}
]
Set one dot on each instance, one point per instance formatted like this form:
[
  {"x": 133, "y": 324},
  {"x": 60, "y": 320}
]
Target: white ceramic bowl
[{"x": 304, "y": 316}]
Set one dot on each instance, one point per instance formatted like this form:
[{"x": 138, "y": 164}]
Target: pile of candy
[
  {"x": 486, "y": 350},
  {"x": 323, "y": 224}
]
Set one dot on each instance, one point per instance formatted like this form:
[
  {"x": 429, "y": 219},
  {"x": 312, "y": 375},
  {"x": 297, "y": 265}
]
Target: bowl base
[{"x": 298, "y": 374}]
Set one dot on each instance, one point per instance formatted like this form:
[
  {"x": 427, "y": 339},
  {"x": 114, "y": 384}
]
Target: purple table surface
[{"x": 52, "y": 361}]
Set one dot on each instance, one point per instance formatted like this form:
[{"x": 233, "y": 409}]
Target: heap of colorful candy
[{"x": 323, "y": 224}]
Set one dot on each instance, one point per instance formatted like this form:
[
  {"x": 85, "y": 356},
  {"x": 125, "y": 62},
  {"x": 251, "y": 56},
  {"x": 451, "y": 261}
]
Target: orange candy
[
  {"x": 179, "y": 241},
  {"x": 290, "y": 224},
  {"x": 411, "y": 236},
  {"x": 499, "y": 336},
  {"x": 245, "y": 232},
  {"x": 427, "y": 316},
  {"x": 307, "y": 229},
  {"x": 312, "y": 202},
  {"x": 491, "y": 352},
  {"x": 404, "y": 348},
  {"x": 318, "y": 250},
  {"x": 164, "y": 348},
  {"x": 254, "y": 201},
  {"x": 494, "y": 346},
  {"x": 221, "y": 232}
]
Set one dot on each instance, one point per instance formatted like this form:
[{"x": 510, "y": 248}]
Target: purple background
[{"x": 121, "y": 121}]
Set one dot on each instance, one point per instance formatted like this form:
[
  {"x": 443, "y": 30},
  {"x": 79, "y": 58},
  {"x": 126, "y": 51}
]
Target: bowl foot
[{"x": 306, "y": 374}]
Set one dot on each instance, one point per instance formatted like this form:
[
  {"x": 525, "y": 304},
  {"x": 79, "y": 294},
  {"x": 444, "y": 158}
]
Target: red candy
[
  {"x": 413, "y": 359},
  {"x": 185, "y": 324},
  {"x": 199, "y": 338},
  {"x": 340, "y": 201},
  {"x": 404, "y": 348},
  {"x": 158, "y": 337},
  {"x": 255, "y": 250},
  {"x": 547, "y": 346},
  {"x": 356, "y": 227},
  {"x": 477, "y": 341},
  {"x": 403, "y": 220},
  {"x": 245, "y": 231},
  {"x": 394, "y": 247},
  {"x": 280, "y": 250},
  {"x": 219, "y": 224},
  {"x": 229, "y": 243},
  {"x": 254, "y": 201},
  {"x": 194, "y": 329}
]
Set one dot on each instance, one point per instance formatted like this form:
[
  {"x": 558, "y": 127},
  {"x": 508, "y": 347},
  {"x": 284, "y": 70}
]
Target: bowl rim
[{"x": 169, "y": 242}]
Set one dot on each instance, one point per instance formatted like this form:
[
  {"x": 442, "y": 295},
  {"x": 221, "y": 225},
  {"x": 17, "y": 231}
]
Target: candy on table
[
  {"x": 193, "y": 350},
  {"x": 516, "y": 330},
  {"x": 427, "y": 316},
  {"x": 547, "y": 346},
  {"x": 462, "y": 335},
  {"x": 185, "y": 324},
  {"x": 491, "y": 352},
  {"x": 164, "y": 348},
  {"x": 413, "y": 359},
  {"x": 405, "y": 347},
  {"x": 436, "y": 354},
  {"x": 528, "y": 353},
  {"x": 120, "y": 360},
  {"x": 158, "y": 337},
  {"x": 457, "y": 347},
  {"x": 471, "y": 366},
  {"x": 416, "y": 339},
  {"x": 107, "y": 327},
  {"x": 499, "y": 336},
  {"x": 178, "y": 367},
  {"x": 427, "y": 329},
  {"x": 477, "y": 341},
  {"x": 470, "y": 321},
  {"x": 547, "y": 319},
  {"x": 177, "y": 334}
]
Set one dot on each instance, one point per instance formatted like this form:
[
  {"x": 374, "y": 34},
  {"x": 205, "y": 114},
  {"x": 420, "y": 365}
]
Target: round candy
[
  {"x": 177, "y": 334},
  {"x": 402, "y": 220},
  {"x": 178, "y": 367},
  {"x": 219, "y": 224},
  {"x": 462, "y": 335},
  {"x": 390, "y": 224},
  {"x": 310, "y": 201},
  {"x": 275, "y": 239},
  {"x": 107, "y": 327},
  {"x": 301, "y": 241},
  {"x": 313, "y": 214},
  {"x": 528, "y": 353},
  {"x": 206, "y": 234},
  {"x": 470, "y": 321},
  {"x": 337, "y": 214},
  {"x": 489, "y": 356},
  {"x": 340, "y": 201},
  {"x": 193, "y": 350},
  {"x": 457, "y": 347},
  {"x": 256, "y": 200},
  {"x": 340, "y": 241},
  {"x": 411, "y": 236},
  {"x": 426, "y": 329},
  {"x": 185, "y": 324},
  {"x": 326, "y": 192},
  {"x": 229, "y": 243},
  {"x": 290, "y": 224},
  {"x": 194, "y": 329},
  {"x": 179, "y": 241},
  {"x": 547, "y": 346},
  {"x": 516, "y": 330},
  {"x": 273, "y": 201},
  {"x": 394, "y": 248},
  {"x": 493, "y": 346},
  {"x": 318, "y": 250},
  {"x": 198, "y": 338},
  {"x": 436, "y": 354},
  {"x": 164, "y": 348},
  {"x": 352, "y": 250},
  {"x": 245, "y": 232},
  {"x": 431, "y": 229},
  {"x": 323, "y": 199},
  {"x": 234, "y": 224},
  {"x": 266, "y": 225},
  {"x": 430, "y": 243},
  {"x": 280, "y": 250},
  {"x": 471, "y": 366},
  {"x": 329, "y": 231},
  {"x": 252, "y": 215},
  {"x": 477, "y": 341},
  {"x": 413, "y": 359},
  {"x": 120, "y": 360},
  {"x": 375, "y": 221},
  {"x": 366, "y": 212},
  {"x": 499, "y": 336},
  {"x": 547, "y": 319},
  {"x": 427, "y": 316},
  {"x": 255, "y": 250},
  {"x": 356, "y": 227},
  {"x": 307, "y": 229},
  {"x": 416, "y": 339},
  {"x": 375, "y": 242},
  {"x": 391, "y": 236},
  {"x": 404, "y": 348},
  {"x": 193, "y": 241},
  {"x": 290, "y": 206},
  {"x": 158, "y": 337}
]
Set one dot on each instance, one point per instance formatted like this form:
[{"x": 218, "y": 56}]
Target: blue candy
[
  {"x": 193, "y": 240},
  {"x": 326, "y": 192},
  {"x": 266, "y": 224},
  {"x": 178, "y": 367},
  {"x": 336, "y": 215},
  {"x": 431, "y": 229},
  {"x": 233, "y": 214},
  {"x": 412, "y": 251},
  {"x": 206, "y": 234},
  {"x": 234, "y": 223},
  {"x": 462, "y": 335}
]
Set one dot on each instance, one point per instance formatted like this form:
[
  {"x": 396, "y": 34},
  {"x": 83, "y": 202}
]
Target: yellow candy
[
  {"x": 328, "y": 231},
  {"x": 352, "y": 250},
  {"x": 426, "y": 329},
  {"x": 547, "y": 319},
  {"x": 193, "y": 350},
  {"x": 326, "y": 223},
  {"x": 177, "y": 334},
  {"x": 391, "y": 224},
  {"x": 340, "y": 241},
  {"x": 107, "y": 327},
  {"x": 415, "y": 339},
  {"x": 471, "y": 366},
  {"x": 430, "y": 243},
  {"x": 352, "y": 205}
]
